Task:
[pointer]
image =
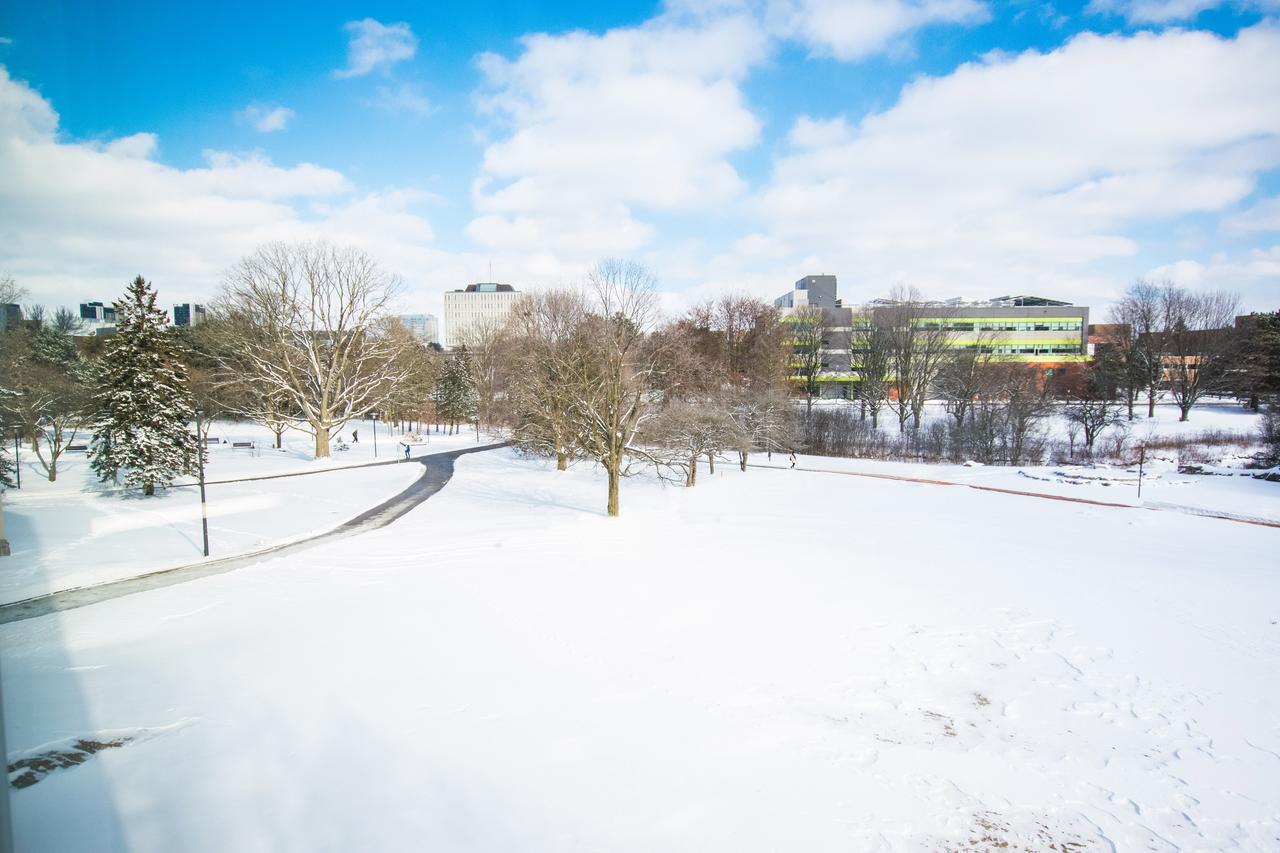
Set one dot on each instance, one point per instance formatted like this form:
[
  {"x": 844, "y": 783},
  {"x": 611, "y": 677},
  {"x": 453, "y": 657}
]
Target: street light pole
[
  {"x": 375, "y": 435},
  {"x": 1142, "y": 457},
  {"x": 17, "y": 462},
  {"x": 204, "y": 515}
]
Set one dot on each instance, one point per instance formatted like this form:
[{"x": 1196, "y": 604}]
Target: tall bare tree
[
  {"x": 547, "y": 329},
  {"x": 1143, "y": 309},
  {"x": 920, "y": 342},
  {"x": 871, "y": 355},
  {"x": 615, "y": 368},
  {"x": 810, "y": 335},
  {"x": 967, "y": 376},
  {"x": 309, "y": 322},
  {"x": 1200, "y": 342}
]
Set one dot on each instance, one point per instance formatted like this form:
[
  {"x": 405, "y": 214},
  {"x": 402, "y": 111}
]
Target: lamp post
[
  {"x": 375, "y": 435},
  {"x": 17, "y": 461},
  {"x": 1142, "y": 457},
  {"x": 204, "y": 516}
]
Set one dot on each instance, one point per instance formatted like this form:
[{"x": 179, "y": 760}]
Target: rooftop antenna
[{"x": 491, "y": 269}]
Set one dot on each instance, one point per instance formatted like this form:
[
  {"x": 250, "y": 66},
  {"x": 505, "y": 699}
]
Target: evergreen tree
[
  {"x": 455, "y": 391},
  {"x": 6, "y": 460},
  {"x": 144, "y": 406}
]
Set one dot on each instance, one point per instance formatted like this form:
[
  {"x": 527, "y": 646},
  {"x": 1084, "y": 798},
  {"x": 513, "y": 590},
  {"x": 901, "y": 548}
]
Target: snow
[
  {"x": 773, "y": 660},
  {"x": 76, "y": 531}
]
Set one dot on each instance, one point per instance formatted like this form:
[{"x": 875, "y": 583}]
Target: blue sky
[{"x": 965, "y": 148}]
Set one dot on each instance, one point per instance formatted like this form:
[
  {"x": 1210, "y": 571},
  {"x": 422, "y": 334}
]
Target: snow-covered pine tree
[
  {"x": 143, "y": 403},
  {"x": 6, "y": 460},
  {"x": 455, "y": 391}
]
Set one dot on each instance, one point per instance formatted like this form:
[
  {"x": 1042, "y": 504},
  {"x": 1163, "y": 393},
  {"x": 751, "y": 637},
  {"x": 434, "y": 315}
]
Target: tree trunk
[
  {"x": 711, "y": 463},
  {"x": 692, "y": 478},
  {"x": 53, "y": 471},
  {"x": 279, "y": 438},
  {"x": 149, "y": 489},
  {"x": 614, "y": 475},
  {"x": 562, "y": 460},
  {"x": 1151, "y": 403},
  {"x": 322, "y": 442},
  {"x": 742, "y": 461},
  {"x": 1185, "y": 408}
]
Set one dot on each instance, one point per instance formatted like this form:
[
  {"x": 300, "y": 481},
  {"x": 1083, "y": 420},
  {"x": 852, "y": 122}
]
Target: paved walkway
[{"x": 437, "y": 471}]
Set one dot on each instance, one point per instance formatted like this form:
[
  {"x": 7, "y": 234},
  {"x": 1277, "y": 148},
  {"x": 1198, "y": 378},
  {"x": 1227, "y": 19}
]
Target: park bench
[
  {"x": 77, "y": 447},
  {"x": 241, "y": 445}
]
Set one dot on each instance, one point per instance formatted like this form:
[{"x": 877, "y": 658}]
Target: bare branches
[{"x": 308, "y": 323}]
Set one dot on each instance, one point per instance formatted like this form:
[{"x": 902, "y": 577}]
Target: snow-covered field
[
  {"x": 775, "y": 660},
  {"x": 77, "y": 531}
]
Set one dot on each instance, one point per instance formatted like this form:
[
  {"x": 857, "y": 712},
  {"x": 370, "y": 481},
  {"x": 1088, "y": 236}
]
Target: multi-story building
[
  {"x": 11, "y": 316},
  {"x": 478, "y": 307},
  {"x": 1050, "y": 335},
  {"x": 97, "y": 319},
  {"x": 188, "y": 314},
  {"x": 836, "y": 377},
  {"x": 425, "y": 327}
]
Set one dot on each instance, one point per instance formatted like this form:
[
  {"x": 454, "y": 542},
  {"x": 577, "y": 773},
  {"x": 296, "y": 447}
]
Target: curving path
[{"x": 437, "y": 471}]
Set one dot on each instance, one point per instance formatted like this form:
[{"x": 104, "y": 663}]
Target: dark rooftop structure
[{"x": 487, "y": 287}]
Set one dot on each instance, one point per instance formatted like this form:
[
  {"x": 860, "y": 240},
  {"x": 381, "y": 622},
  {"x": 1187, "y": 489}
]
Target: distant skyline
[{"x": 968, "y": 149}]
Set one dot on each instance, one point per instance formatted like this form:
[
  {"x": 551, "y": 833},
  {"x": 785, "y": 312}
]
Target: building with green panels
[{"x": 1050, "y": 335}]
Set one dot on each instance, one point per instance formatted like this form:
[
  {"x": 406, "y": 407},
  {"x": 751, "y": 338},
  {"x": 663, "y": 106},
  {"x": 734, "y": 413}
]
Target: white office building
[
  {"x": 425, "y": 327},
  {"x": 478, "y": 306}
]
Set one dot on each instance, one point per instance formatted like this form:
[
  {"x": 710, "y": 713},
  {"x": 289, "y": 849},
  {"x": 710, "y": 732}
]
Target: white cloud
[
  {"x": 375, "y": 46},
  {"x": 81, "y": 218},
  {"x": 402, "y": 98},
  {"x": 264, "y": 118},
  {"x": 856, "y": 29},
  {"x": 1167, "y": 11},
  {"x": 1023, "y": 172},
  {"x": 593, "y": 128},
  {"x": 1263, "y": 216},
  {"x": 1255, "y": 272},
  {"x": 5, "y": 40}
]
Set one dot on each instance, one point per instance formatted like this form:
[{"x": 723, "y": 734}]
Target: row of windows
[
  {"x": 1001, "y": 326},
  {"x": 1023, "y": 349}
]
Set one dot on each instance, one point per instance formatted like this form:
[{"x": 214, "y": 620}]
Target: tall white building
[
  {"x": 478, "y": 306},
  {"x": 425, "y": 327}
]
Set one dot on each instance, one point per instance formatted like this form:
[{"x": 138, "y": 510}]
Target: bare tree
[
  {"x": 870, "y": 351},
  {"x": 490, "y": 348},
  {"x": 810, "y": 334},
  {"x": 308, "y": 321},
  {"x": 764, "y": 421},
  {"x": 920, "y": 343},
  {"x": 1093, "y": 405},
  {"x": 966, "y": 376},
  {"x": 1028, "y": 400},
  {"x": 1199, "y": 344},
  {"x": 615, "y": 368},
  {"x": 691, "y": 430},
  {"x": 10, "y": 293},
  {"x": 547, "y": 329},
  {"x": 1143, "y": 309}
]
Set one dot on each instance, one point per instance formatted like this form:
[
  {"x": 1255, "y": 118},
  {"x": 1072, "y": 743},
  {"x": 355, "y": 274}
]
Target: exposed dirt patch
[
  {"x": 992, "y": 832},
  {"x": 32, "y": 769},
  {"x": 948, "y": 725}
]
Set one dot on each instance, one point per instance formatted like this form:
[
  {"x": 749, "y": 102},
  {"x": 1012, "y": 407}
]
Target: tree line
[{"x": 300, "y": 337}]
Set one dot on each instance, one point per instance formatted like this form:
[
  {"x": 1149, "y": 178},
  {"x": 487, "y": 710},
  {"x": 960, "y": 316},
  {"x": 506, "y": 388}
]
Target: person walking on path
[
  {"x": 355, "y": 436},
  {"x": 793, "y": 460},
  {"x": 406, "y": 452}
]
